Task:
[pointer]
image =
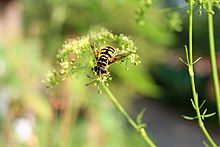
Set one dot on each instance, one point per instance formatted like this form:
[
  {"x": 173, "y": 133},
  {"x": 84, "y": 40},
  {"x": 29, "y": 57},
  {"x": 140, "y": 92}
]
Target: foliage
[
  {"x": 190, "y": 63},
  {"x": 74, "y": 114}
]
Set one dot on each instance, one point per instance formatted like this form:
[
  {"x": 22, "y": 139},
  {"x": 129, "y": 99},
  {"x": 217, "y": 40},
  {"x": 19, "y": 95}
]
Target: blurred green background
[{"x": 32, "y": 31}]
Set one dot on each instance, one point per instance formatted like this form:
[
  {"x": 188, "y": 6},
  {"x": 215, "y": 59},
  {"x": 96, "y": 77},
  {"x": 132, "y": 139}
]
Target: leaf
[
  {"x": 140, "y": 116},
  {"x": 187, "y": 54},
  {"x": 209, "y": 115},
  {"x": 189, "y": 117},
  {"x": 203, "y": 114},
  {"x": 202, "y": 104},
  {"x": 139, "y": 120},
  {"x": 183, "y": 61},
  {"x": 197, "y": 60},
  {"x": 142, "y": 126},
  {"x": 193, "y": 104},
  {"x": 205, "y": 144}
]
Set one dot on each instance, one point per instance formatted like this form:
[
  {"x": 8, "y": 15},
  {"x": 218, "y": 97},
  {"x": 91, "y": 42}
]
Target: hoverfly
[{"x": 104, "y": 58}]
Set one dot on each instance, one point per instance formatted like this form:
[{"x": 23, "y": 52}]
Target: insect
[{"x": 104, "y": 58}]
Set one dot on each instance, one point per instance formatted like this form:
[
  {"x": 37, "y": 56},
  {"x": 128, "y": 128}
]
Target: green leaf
[
  {"x": 140, "y": 116},
  {"x": 142, "y": 126},
  {"x": 183, "y": 61},
  {"x": 189, "y": 117},
  {"x": 202, "y": 104},
  {"x": 193, "y": 104},
  {"x": 205, "y": 144},
  {"x": 187, "y": 54},
  {"x": 197, "y": 60},
  {"x": 203, "y": 114},
  {"x": 209, "y": 115}
]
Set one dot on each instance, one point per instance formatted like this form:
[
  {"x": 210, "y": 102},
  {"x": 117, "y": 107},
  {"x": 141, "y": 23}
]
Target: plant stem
[
  {"x": 141, "y": 131},
  {"x": 213, "y": 61},
  {"x": 192, "y": 78}
]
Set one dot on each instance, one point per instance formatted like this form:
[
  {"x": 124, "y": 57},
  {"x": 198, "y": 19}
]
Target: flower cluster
[
  {"x": 51, "y": 79},
  {"x": 174, "y": 21},
  {"x": 141, "y": 11},
  {"x": 78, "y": 54},
  {"x": 206, "y": 5}
]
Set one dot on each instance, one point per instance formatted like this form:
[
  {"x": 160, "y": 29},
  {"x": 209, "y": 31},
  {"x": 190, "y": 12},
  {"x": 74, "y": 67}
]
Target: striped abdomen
[{"x": 104, "y": 59}]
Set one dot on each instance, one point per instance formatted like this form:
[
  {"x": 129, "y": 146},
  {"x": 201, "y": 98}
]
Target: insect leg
[{"x": 91, "y": 83}]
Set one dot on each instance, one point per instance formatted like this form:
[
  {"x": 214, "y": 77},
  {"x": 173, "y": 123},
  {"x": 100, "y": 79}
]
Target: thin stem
[
  {"x": 190, "y": 32},
  {"x": 192, "y": 78},
  {"x": 141, "y": 131},
  {"x": 213, "y": 60},
  {"x": 200, "y": 122}
]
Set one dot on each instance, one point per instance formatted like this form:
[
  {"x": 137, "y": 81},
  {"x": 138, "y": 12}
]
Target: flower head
[{"x": 81, "y": 53}]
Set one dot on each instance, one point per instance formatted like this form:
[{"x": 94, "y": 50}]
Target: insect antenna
[
  {"x": 92, "y": 81},
  {"x": 90, "y": 77}
]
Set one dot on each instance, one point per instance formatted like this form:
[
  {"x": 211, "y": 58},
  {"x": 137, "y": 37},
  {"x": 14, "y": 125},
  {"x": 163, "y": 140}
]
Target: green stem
[
  {"x": 213, "y": 61},
  {"x": 192, "y": 78},
  {"x": 200, "y": 122},
  {"x": 141, "y": 131},
  {"x": 190, "y": 32}
]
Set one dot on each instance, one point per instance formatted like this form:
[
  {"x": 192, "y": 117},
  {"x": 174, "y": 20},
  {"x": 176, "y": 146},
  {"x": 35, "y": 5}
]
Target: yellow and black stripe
[{"x": 104, "y": 59}]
